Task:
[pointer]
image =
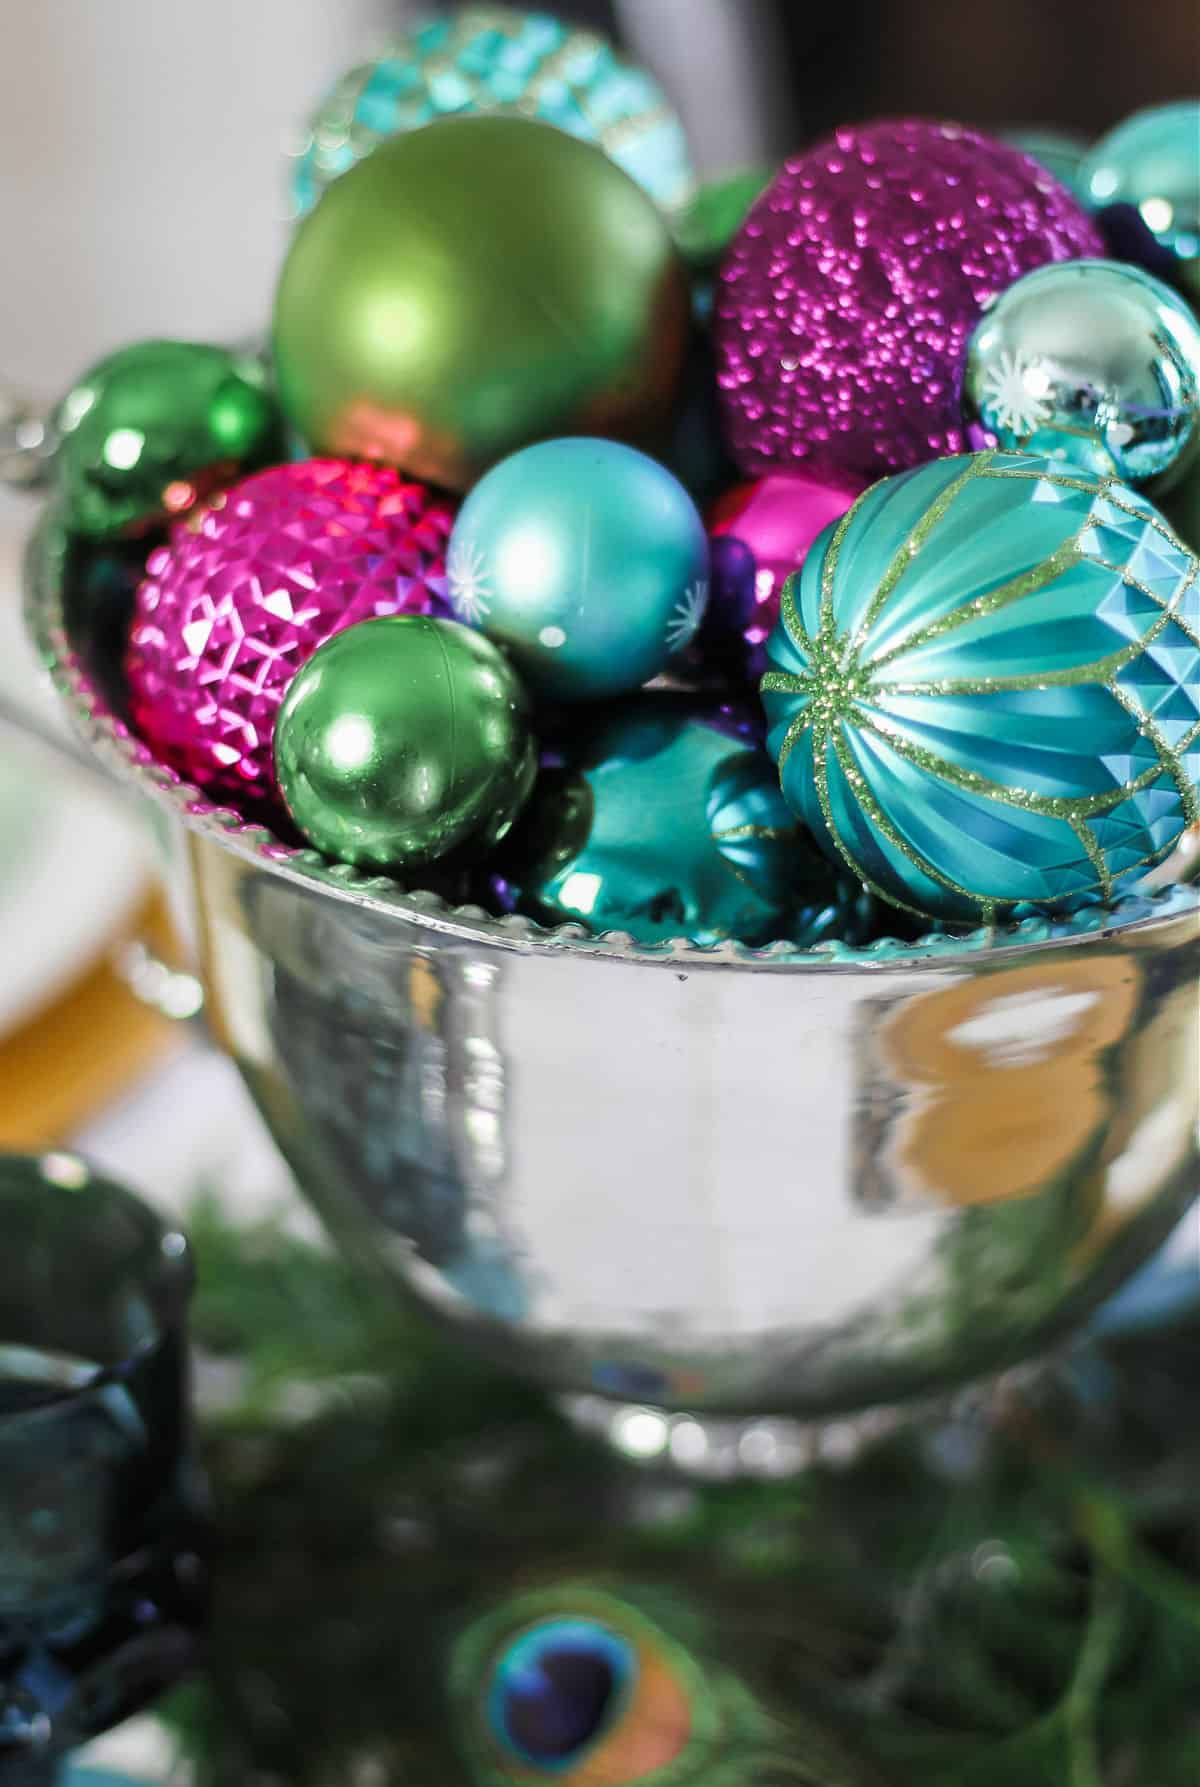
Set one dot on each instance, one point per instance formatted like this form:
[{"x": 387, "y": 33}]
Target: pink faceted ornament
[
  {"x": 846, "y": 300},
  {"x": 760, "y": 533},
  {"x": 231, "y": 609}
]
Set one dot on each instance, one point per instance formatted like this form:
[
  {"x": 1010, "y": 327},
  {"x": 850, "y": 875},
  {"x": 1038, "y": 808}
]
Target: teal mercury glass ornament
[
  {"x": 665, "y": 820},
  {"x": 1060, "y": 152},
  {"x": 494, "y": 59},
  {"x": 586, "y": 560},
  {"x": 985, "y": 687},
  {"x": 1092, "y": 362},
  {"x": 1152, "y": 161}
]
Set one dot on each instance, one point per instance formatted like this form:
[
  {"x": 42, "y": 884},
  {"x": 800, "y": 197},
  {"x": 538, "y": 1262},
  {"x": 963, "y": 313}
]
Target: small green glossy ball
[
  {"x": 402, "y": 740},
  {"x": 473, "y": 286},
  {"x": 153, "y": 429}
]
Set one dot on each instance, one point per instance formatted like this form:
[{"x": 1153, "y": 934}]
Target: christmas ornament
[
  {"x": 403, "y": 739},
  {"x": 986, "y": 686},
  {"x": 471, "y": 287},
  {"x": 1060, "y": 152},
  {"x": 586, "y": 561},
  {"x": 492, "y": 59},
  {"x": 846, "y": 301},
  {"x": 664, "y": 820},
  {"x": 149, "y": 431},
  {"x": 1152, "y": 161},
  {"x": 1094, "y": 363},
  {"x": 236, "y": 604},
  {"x": 716, "y": 214},
  {"x": 760, "y": 533}
]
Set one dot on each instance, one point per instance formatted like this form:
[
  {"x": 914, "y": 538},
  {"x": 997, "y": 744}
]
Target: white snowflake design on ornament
[
  {"x": 1016, "y": 395},
  {"x": 687, "y": 614},
  {"x": 466, "y": 574}
]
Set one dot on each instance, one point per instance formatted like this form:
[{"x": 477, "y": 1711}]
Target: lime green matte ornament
[
  {"x": 473, "y": 286},
  {"x": 155, "y": 428},
  {"x": 403, "y": 739}
]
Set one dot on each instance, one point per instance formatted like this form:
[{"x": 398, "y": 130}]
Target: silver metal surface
[{"x": 722, "y": 1181}]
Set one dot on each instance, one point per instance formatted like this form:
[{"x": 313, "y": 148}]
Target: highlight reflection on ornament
[
  {"x": 1094, "y": 363},
  {"x": 986, "y": 687}
]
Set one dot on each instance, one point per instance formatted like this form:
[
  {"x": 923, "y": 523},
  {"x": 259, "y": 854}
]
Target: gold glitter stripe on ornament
[
  {"x": 909, "y": 551},
  {"x": 1091, "y": 846},
  {"x": 871, "y": 810},
  {"x": 789, "y": 612},
  {"x": 821, "y": 784},
  {"x": 829, "y": 564},
  {"x": 1109, "y": 487},
  {"x": 1070, "y": 807},
  {"x": 1171, "y": 608},
  {"x": 1018, "y": 589},
  {"x": 771, "y": 833},
  {"x": 1093, "y": 674}
]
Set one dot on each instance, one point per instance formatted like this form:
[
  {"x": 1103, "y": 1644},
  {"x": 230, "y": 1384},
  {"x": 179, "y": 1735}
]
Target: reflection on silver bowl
[{"x": 717, "y": 1179}]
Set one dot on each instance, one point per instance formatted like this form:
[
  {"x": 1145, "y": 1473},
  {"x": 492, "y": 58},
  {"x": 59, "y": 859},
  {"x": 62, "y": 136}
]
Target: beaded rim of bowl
[{"x": 119, "y": 749}]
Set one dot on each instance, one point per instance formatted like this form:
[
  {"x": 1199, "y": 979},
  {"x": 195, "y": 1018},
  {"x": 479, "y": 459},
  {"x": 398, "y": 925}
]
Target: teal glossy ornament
[
  {"x": 153, "y": 429},
  {"x": 1152, "y": 161},
  {"x": 665, "y": 820},
  {"x": 401, "y": 740},
  {"x": 495, "y": 59},
  {"x": 985, "y": 687},
  {"x": 1060, "y": 152},
  {"x": 1094, "y": 363},
  {"x": 586, "y": 560}
]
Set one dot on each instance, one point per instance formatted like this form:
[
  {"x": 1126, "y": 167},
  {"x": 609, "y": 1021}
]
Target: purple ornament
[
  {"x": 847, "y": 299},
  {"x": 231, "y": 609},
  {"x": 759, "y": 534}
]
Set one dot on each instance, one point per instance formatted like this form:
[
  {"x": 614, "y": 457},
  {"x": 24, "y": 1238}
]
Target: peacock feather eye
[
  {"x": 577, "y": 1688},
  {"x": 559, "y": 1689}
]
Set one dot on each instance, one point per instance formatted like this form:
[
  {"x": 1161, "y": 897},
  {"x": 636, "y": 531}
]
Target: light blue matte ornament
[
  {"x": 985, "y": 687},
  {"x": 1092, "y": 362},
  {"x": 490, "y": 59},
  {"x": 1152, "y": 161},
  {"x": 586, "y": 561}
]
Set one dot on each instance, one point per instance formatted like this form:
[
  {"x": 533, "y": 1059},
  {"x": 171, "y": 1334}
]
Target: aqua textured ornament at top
[
  {"x": 664, "y": 819},
  {"x": 586, "y": 560},
  {"x": 151, "y": 430},
  {"x": 1091, "y": 362},
  {"x": 1152, "y": 161},
  {"x": 985, "y": 687},
  {"x": 403, "y": 739},
  {"x": 495, "y": 59}
]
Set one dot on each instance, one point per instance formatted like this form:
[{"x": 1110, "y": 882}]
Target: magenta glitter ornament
[
  {"x": 846, "y": 301},
  {"x": 760, "y": 533},
  {"x": 231, "y": 609}
]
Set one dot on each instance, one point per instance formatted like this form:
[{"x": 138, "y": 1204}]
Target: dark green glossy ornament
[
  {"x": 403, "y": 739},
  {"x": 474, "y": 286},
  {"x": 665, "y": 820},
  {"x": 154, "y": 428}
]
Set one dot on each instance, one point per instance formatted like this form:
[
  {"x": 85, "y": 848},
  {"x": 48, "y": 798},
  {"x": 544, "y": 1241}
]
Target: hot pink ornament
[
  {"x": 760, "y": 533},
  {"x": 231, "y": 609},
  {"x": 846, "y": 301}
]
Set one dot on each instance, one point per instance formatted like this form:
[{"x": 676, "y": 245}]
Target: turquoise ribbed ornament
[
  {"x": 586, "y": 561},
  {"x": 985, "y": 687},
  {"x": 1152, "y": 161},
  {"x": 494, "y": 59},
  {"x": 664, "y": 820}
]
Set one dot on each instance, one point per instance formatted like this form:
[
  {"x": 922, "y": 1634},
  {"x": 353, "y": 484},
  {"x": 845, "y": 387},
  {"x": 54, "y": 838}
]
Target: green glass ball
[
  {"x": 404, "y": 739},
  {"x": 153, "y": 429},
  {"x": 1152, "y": 161},
  {"x": 471, "y": 287}
]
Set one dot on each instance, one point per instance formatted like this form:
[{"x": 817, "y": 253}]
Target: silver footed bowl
[{"x": 728, "y": 1180}]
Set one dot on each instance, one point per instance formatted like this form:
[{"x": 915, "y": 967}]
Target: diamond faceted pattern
[{"x": 229, "y": 612}]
